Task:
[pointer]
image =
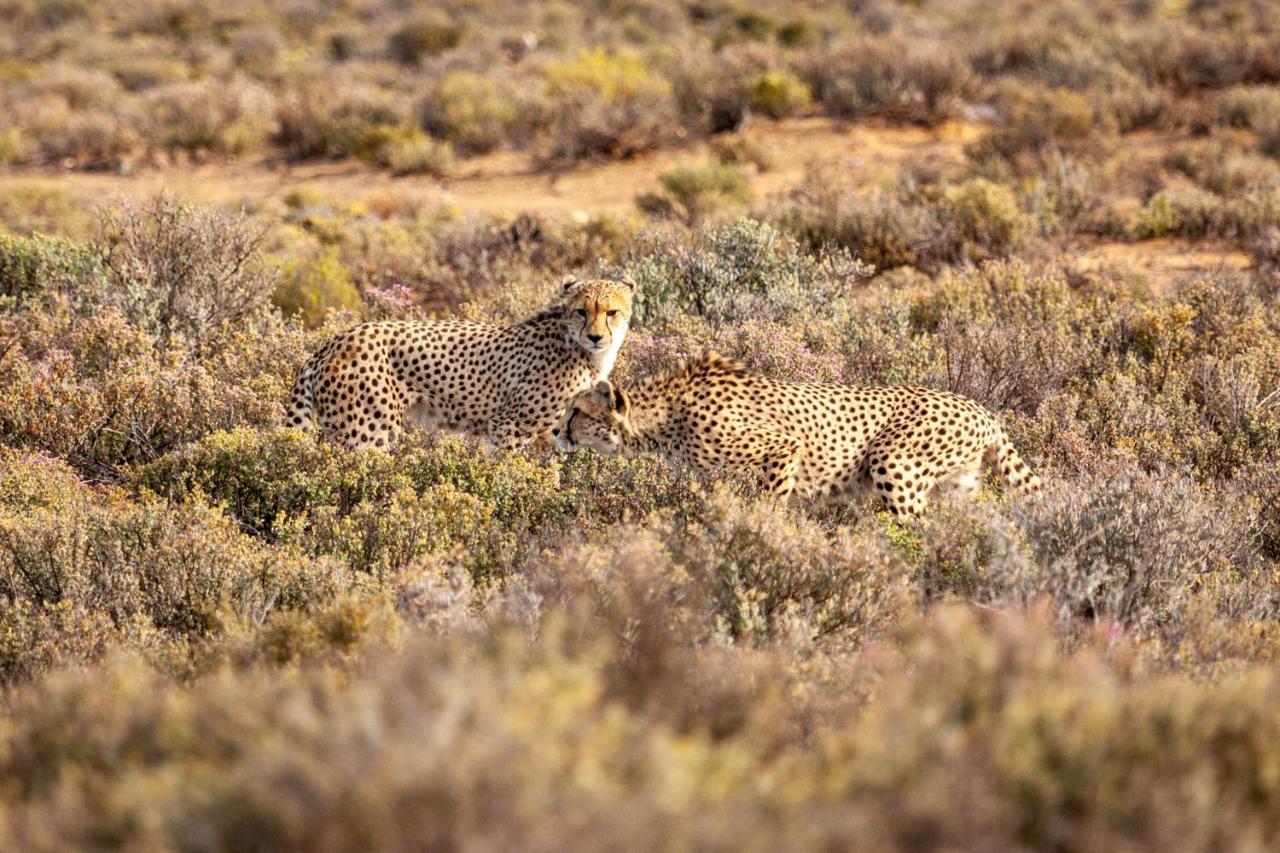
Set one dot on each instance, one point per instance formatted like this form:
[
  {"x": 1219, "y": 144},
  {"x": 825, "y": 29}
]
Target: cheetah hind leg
[
  {"x": 903, "y": 489},
  {"x": 779, "y": 462},
  {"x": 961, "y": 484}
]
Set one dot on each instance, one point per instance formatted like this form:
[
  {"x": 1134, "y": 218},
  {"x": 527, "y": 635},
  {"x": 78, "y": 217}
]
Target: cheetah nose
[
  {"x": 595, "y": 339},
  {"x": 556, "y": 432}
]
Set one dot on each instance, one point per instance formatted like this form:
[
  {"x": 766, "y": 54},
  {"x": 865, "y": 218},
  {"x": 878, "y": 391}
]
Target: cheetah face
[
  {"x": 595, "y": 419},
  {"x": 598, "y": 313}
]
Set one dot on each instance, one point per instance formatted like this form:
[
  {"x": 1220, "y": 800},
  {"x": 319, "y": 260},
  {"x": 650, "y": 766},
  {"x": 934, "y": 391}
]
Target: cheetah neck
[
  {"x": 648, "y": 427},
  {"x": 602, "y": 363},
  {"x": 652, "y": 425}
]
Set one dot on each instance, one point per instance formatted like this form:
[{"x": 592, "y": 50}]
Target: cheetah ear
[
  {"x": 569, "y": 282},
  {"x": 628, "y": 281},
  {"x": 613, "y": 397}
]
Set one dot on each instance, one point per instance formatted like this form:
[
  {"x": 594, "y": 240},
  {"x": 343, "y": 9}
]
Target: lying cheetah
[
  {"x": 805, "y": 440},
  {"x": 509, "y": 383}
]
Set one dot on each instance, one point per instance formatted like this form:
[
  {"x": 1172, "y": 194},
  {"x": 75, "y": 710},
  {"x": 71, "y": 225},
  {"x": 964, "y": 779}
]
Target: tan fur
[
  {"x": 509, "y": 383},
  {"x": 805, "y": 440}
]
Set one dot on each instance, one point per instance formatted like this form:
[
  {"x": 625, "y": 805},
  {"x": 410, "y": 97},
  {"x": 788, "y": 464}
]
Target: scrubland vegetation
[{"x": 217, "y": 632}]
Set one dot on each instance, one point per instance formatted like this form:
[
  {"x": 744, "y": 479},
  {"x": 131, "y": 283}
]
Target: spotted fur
[
  {"x": 805, "y": 440},
  {"x": 509, "y": 383}
]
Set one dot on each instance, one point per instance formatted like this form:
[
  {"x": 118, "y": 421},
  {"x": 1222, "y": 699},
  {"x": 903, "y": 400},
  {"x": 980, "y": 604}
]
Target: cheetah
[
  {"x": 805, "y": 440},
  {"x": 507, "y": 383}
]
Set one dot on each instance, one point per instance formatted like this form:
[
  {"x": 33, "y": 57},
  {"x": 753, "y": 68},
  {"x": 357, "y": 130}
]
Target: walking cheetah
[
  {"x": 509, "y": 383},
  {"x": 805, "y": 440}
]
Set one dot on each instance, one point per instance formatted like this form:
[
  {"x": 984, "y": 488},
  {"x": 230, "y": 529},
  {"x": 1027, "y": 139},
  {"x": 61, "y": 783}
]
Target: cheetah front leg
[
  {"x": 777, "y": 457},
  {"x": 518, "y": 426}
]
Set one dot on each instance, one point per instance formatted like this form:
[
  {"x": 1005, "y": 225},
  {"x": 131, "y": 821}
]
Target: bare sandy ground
[{"x": 870, "y": 154}]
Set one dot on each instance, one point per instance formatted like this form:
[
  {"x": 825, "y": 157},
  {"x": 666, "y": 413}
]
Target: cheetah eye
[
  {"x": 582, "y": 312},
  {"x": 613, "y": 313}
]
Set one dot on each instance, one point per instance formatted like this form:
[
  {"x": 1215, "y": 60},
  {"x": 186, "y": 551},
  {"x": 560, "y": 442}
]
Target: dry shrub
[
  {"x": 1142, "y": 551},
  {"x": 605, "y": 103},
  {"x": 40, "y": 206},
  {"x": 1038, "y": 122},
  {"x": 233, "y": 117},
  {"x": 99, "y": 393},
  {"x": 473, "y": 111},
  {"x": 746, "y": 269},
  {"x": 181, "y": 272},
  {"x": 965, "y": 222},
  {"x": 332, "y": 115},
  {"x": 1009, "y": 367},
  {"x": 895, "y": 78},
  {"x": 427, "y": 34},
  {"x": 770, "y": 576}
]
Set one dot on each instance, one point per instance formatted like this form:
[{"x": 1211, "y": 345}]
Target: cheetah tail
[
  {"x": 1002, "y": 456},
  {"x": 302, "y": 403}
]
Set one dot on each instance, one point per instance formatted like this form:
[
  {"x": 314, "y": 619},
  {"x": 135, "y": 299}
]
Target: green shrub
[
  {"x": 13, "y": 146},
  {"x": 606, "y": 103},
  {"x": 695, "y": 192},
  {"x": 1197, "y": 213},
  {"x": 31, "y": 267},
  {"x": 778, "y": 94},
  {"x": 987, "y": 217},
  {"x": 406, "y": 151},
  {"x": 35, "y": 481},
  {"x": 472, "y": 111},
  {"x": 311, "y": 287},
  {"x": 376, "y": 513},
  {"x": 131, "y": 569}
]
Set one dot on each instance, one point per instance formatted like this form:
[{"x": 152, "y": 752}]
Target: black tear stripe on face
[{"x": 568, "y": 428}]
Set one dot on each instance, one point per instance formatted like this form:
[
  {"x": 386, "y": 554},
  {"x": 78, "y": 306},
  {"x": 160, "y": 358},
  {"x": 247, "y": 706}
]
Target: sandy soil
[
  {"x": 510, "y": 181},
  {"x": 506, "y": 182},
  {"x": 1162, "y": 262}
]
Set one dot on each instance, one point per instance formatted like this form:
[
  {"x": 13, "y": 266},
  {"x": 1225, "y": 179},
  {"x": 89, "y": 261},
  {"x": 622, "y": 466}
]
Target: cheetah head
[
  {"x": 598, "y": 312},
  {"x": 596, "y": 420}
]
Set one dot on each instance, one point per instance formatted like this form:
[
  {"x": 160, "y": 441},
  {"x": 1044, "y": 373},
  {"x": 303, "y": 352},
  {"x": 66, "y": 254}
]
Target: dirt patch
[
  {"x": 509, "y": 181},
  {"x": 1161, "y": 263}
]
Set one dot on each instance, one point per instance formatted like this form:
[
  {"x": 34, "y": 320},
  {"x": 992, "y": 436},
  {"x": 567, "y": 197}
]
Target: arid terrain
[{"x": 217, "y": 632}]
